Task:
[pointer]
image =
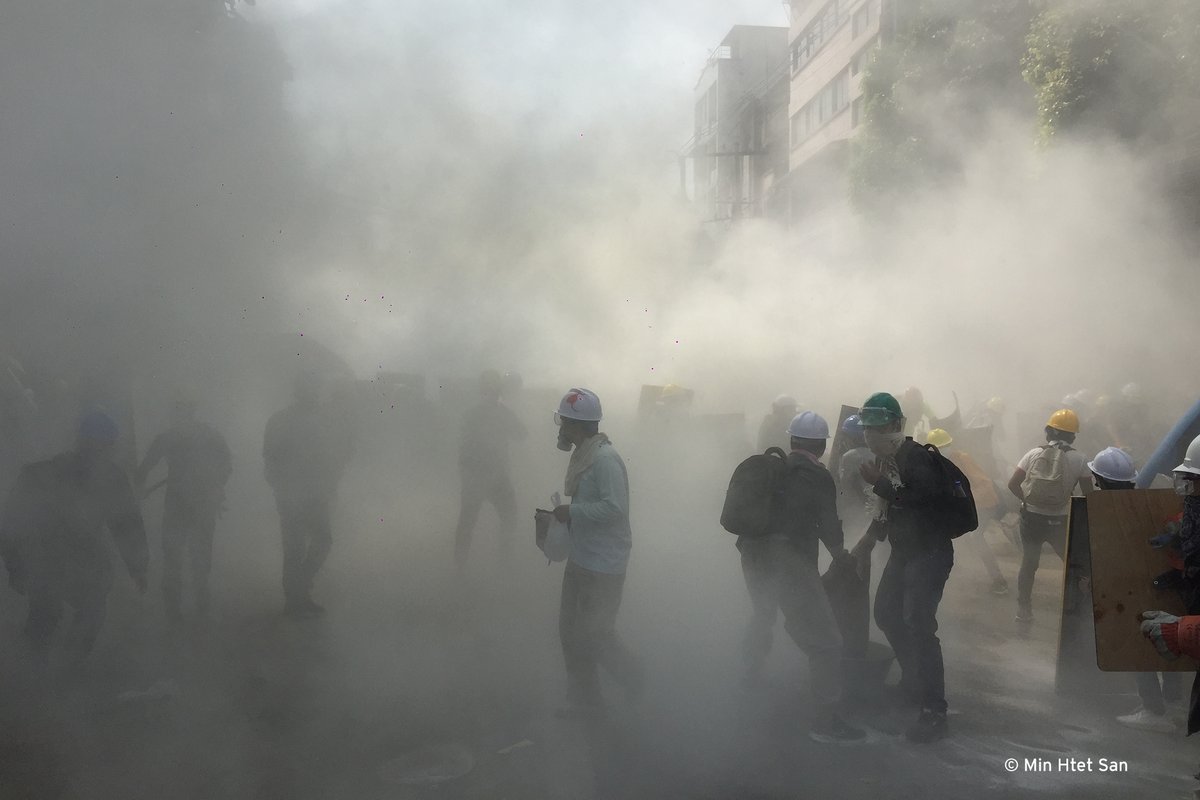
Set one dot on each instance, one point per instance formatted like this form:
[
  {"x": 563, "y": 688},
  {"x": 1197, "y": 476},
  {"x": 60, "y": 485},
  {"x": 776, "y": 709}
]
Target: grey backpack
[{"x": 1045, "y": 484}]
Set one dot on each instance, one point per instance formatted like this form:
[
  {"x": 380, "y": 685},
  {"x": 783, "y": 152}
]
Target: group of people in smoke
[
  {"x": 53, "y": 520},
  {"x": 56, "y": 511}
]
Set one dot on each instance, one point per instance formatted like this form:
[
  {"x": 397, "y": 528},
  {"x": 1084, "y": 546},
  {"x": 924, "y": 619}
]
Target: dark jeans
[
  {"x": 187, "y": 527},
  {"x": 307, "y": 539},
  {"x": 587, "y": 627},
  {"x": 476, "y": 488},
  {"x": 906, "y": 604},
  {"x": 1036, "y": 530},
  {"x": 780, "y": 577},
  {"x": 1155, "y": 695}
]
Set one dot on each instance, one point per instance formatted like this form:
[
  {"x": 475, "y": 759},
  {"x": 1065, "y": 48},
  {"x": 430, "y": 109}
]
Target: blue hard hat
[
  {"x": 96, "y": 426},
  {"x": 853, "y": 425}
]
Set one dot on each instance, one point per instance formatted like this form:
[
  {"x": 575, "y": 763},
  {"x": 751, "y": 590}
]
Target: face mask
[
  {"x": 563, "y": 443},
  {"x": 1184, "y": 487},
  {"x": 883, "y": 445}
]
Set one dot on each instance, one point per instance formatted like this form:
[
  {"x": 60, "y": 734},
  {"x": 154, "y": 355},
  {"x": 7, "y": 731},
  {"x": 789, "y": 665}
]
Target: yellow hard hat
[
  {"x": 1064, "y": 420},
  {"x": 939, "y": 438}
]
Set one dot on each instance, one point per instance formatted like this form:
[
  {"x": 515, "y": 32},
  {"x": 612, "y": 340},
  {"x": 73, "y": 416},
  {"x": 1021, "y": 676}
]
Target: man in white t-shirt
[{"x": 1044, "y": 481}]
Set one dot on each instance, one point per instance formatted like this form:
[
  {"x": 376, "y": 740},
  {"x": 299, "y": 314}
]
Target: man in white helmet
[
  {"x": 781, "y": 574},
  {"x": 1113, "y": 470},
  {"x": 600, "y": 542}
]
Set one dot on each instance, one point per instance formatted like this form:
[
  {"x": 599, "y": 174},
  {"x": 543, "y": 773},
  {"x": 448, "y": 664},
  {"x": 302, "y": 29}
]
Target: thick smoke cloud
[
  {"x": 215, "y": 199},
  {"x": 509, "y": 177},
  {"x": 441, "y": 189}
]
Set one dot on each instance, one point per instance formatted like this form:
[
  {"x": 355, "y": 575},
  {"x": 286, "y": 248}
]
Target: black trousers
[
  {"x": 307, "y": 539},
  {"x": 906, "y": 604},
  {"x": 780, "y": 578},
  {"x": 187, "y": 528},
  {"x": 82, "y": 587},
  {"x": 495, "y": 487}
]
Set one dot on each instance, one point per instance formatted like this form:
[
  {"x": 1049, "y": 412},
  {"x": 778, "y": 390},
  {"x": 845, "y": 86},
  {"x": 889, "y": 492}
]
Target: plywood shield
[
  {"x": 1076, "y": 671},
  {"x": 1124, "y": 567}
]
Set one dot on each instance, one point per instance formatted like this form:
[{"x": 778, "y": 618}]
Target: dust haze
[{"x": 207, "y": 199}]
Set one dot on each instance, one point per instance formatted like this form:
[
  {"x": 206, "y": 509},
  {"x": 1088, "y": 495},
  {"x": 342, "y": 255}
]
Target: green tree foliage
[
  {"x": 1125, "y": 69},
  {"x": 1122, "y": 67},
  {"x": 933, "y": 89}
]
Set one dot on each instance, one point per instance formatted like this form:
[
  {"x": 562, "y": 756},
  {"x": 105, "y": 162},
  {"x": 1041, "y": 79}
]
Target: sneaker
[
  {"x": 312, "y": 608},
  {"x": 1000, "y": 587},
  {"x": 929, "y": 727},
  {"x": 832, "y": 729},
  {"x": 1146, "y": 720}
]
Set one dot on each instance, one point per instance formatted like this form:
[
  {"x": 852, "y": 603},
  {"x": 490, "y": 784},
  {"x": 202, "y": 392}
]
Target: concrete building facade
[
  {"x": 830, "y": 43},
  {"x": 739, "y": 148}
]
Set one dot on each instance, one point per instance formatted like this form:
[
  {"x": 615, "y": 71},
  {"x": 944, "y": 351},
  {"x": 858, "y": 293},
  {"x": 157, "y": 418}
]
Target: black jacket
[
  {"x": 808, "y": 507},
  {"x": 908, "y": 525}
]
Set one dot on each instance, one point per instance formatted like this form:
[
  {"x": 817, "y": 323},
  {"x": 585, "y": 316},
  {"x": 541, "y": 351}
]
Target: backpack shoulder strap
[{"x": 775, "y": 451}]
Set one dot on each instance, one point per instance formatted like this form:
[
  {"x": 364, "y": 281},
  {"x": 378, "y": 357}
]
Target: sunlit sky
[{"x": 586, "y": 61}]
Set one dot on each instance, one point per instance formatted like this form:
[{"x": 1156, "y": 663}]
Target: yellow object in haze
[
  {"x": 939, "y": 437},
  {"x": 1064, "y": 420}
]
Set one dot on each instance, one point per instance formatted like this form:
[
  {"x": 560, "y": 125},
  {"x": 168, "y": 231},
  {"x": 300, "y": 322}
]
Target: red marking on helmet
[{"x": 572, "y": 398}]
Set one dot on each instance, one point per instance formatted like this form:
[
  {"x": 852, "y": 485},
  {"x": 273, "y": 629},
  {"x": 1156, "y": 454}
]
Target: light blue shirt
[{"x": 600, "y": 534}]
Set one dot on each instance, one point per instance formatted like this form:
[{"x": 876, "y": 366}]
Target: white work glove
[{"x": 1159, "y": 627}]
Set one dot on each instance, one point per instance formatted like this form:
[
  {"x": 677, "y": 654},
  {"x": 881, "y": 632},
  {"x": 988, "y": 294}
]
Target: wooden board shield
[
  {"x": 1123, "y": 567},
  {"x": 1076, "y": 672}
]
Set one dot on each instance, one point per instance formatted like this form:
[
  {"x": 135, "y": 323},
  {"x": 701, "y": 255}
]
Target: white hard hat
[
  {"x": 1114, "y": 464},
  {"x": 579, "y": 404},
  {"x": 808, "y": 425},
  {"x": 1191, "y": 459},
  {"x": 784, "y": 401}
]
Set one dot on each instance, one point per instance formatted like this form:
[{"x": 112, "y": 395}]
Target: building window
[
  {"x": 863, "y": 57},
  {"x": 856, "y": 112},
  {"x": 863, "y": 19},
  {"x": 828, "y": 103},
  {"x": 826, "y": 23}
]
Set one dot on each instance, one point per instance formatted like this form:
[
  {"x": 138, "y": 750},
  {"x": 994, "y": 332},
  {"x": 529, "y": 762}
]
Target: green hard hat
[{"x": 880, "y": 409}]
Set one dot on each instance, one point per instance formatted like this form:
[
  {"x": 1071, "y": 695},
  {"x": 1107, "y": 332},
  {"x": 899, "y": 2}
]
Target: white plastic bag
[{"x": 557, "y": 545}]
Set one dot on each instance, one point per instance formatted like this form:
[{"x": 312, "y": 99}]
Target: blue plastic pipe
[{"x": 1166, "y": 456}]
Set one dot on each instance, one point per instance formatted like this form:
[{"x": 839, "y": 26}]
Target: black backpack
[
  {"x": 954, "y": 514},
  {"x": 753, "y": 495}
]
